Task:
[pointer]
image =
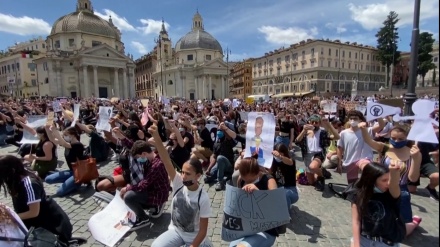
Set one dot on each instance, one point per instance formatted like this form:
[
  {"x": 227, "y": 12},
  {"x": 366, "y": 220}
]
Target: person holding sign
[
  {"x": 253, "y": 178},
  {"x": 190, "y": 205}
]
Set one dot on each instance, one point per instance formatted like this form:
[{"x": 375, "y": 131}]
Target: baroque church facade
[
  {"x": 85, "y": 57},
  {"x": 194, "y": 69}
]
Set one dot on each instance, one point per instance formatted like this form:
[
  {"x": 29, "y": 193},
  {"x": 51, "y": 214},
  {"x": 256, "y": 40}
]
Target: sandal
[{"x": 417, "y": 220}]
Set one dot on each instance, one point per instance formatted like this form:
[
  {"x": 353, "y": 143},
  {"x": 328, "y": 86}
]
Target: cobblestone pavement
[{"x": 319, "y": 219}]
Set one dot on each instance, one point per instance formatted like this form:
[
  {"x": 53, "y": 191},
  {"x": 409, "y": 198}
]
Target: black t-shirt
[
  {"x": 425, "y": 149},
  {"x": 207, "y": 141},
  {"x": 225, "y": 148},
  {"x": 380, "y": 219},
  {"x": 285, "y": 126},
  {"x": 180, "y": 155},
  {"x": 285, "y": 175},
  {"x": 190, "y": 144},
  {"x": 74, "y": 154},
  {"x": 51, "y": 216}
]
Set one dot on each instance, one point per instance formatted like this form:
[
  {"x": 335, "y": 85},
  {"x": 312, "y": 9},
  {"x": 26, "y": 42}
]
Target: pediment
[
  {"x": 216, "y": 63},
  {"x": 103, "y": 50}
]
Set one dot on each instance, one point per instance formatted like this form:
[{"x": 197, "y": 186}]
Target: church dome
[
  {"x": 85, "y": 21},
  {"x": 198, "y": 38}
]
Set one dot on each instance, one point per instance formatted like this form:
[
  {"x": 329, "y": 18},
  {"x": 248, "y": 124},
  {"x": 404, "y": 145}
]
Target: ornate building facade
[
  {"x": 145, "y": 67},
  {"x": 85, "y": 57},
  {"x": 317, "y": 66},
  {"x": 194, "y": 69},
  {"x": 241, "y": 79}
]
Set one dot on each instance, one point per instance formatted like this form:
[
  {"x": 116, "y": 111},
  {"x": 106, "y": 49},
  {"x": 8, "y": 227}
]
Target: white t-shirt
[
  {"x": 185, "y": 214},
  {"x": 12, "y": 231},
  {"x": 354, "y": 146}
]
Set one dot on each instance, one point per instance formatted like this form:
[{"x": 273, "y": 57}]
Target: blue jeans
[
  {"x": 67, "y": 180},
  {"x": 221, "y": 167},
  {"x": 172, "y": 238},
  {"x": 365, "y": 242},
  {"x": 260, "y": 239},
  {"x": 291, "y": 195},
  {"x": 405, "y": 204},
  {"x": 283, "y": 139}
]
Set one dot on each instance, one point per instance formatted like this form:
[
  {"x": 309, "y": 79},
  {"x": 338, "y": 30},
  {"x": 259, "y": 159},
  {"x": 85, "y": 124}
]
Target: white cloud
[
  {"x": 151, "y": 26},
  {"x": 371, "y": 16},
  {"x": 120, "y": 22},
  {"x": 140, "y": 48},
  {"x": 23, "y": 25},
  {"x": 276, "y": 35},
  {"x": 341, "y": 29}
]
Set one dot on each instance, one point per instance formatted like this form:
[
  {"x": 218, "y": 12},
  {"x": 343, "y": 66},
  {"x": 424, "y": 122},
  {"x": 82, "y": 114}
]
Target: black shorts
[{"x": 426, "y": 170}]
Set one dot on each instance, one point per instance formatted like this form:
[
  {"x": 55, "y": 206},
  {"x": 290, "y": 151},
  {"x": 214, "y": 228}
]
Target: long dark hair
[
  {"x": 365, "y": 185},
  {"x": 11, "y": 172},
  {"x": 42, "y": 130},
  {"x": 282, "y": 148}
]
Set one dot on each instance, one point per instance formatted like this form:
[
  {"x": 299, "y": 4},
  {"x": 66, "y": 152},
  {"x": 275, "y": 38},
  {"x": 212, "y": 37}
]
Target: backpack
[
  {"x": 301, "y": 177},
  {"x": 343, "y": 194}
]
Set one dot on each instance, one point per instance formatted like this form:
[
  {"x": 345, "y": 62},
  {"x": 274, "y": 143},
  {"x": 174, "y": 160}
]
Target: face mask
[
  {"x": 141, "y": 160},
  {"x": 283, "y": 119},
  {"x": 220, "y": 134},
  {"x": 277, "y": 159},
  {"x": 67, "y": 138},
  {"x": 181, "y": 130},
  {"x": 118, "y": 125},
  {"x": 377, "y": 190},
  {"x": 398, "y": 145},
  {"x": 256, "y": 180},
  {"x": 354, "y": 123},
  {"x": 188, "y": 183}
]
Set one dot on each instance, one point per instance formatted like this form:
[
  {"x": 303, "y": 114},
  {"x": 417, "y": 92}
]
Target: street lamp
[{"x": 410, "y": 96}]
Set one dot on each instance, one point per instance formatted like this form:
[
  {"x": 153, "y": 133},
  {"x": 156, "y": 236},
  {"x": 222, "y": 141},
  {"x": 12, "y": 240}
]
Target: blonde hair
[{"x": 5, "y": 217}]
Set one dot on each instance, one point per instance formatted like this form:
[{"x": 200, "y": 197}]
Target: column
[
  {"x": 86, "y": 82},
  {"x": 196, "y": 87},
  {"x": 95, "y": 81},
  {"x": 223, "y": 87},
  {"x": 116, "y": 82},
  {"x": 59, "y": 81},
  {"x": 183, "y": 87},
  {"x": 131, "y": 85},
  {"x": 210, "y": 88},
  {"x": 125, "y": 86},
  {"x": 204, "y": 87}
]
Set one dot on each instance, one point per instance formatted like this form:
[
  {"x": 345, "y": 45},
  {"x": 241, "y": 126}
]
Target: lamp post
[
  {"x": 228, "y": 52},
  {"x": 410, "y": 96}
]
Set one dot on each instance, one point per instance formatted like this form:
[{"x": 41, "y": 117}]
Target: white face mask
[
  {"x": 354, "y": 123},
  {"x": 67, "y": 138}
]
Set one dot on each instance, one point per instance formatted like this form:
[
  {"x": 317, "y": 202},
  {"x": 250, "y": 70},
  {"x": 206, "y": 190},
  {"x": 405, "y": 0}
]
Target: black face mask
[{"x": 188, "y": 183}]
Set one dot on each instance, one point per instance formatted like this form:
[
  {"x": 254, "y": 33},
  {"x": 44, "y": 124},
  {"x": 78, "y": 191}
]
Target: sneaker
[
  {"x": 432, "y": 193},
  {"x": 320, "y": 184},
  {"x": 157, "y": 211},
  {"x": 220, "y": 186},
  {"x": 140, "y": 224},
  {"x": 209, "y": 179}
]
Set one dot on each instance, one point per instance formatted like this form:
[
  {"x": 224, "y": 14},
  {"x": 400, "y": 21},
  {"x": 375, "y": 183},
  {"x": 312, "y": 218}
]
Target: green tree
[
  {"x": 387, "y": 42},
  {"x": 424, "y": 60}
]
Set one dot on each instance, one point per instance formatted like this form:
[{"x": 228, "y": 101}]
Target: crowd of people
[{"x": 162, "y": 149}]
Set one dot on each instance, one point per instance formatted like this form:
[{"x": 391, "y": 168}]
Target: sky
[{"x": 247, "y": 28}]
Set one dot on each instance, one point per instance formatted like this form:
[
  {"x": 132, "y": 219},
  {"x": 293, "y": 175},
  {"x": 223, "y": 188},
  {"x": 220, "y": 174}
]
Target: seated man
[
  {"x": 148, "y": 184},
  {"x": 223, "y": 157}
]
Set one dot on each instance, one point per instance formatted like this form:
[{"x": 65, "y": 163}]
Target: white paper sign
[
  {"x": 33, "y": 122},
  {"x": 259, "y": 141},
  {"x": 112, "y": 223},
  {"x": 104, "y": 116},
  {"x": 330, "y": 107},
  {"x": 377, "y": 110},
  {"x": 75, "y": 114},
  {"x": 57, "y": 106}
]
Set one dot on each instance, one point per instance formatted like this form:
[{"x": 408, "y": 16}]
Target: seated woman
[
  {"x": 43, "y": 155},
  {"x": 190, "y": 205},
  {"x": 375, "y": 202},
  {"x": 30, "y": 201},
  {"x": 98, "y": 147},
  {"x": 73, "y": 151},
  {"x": 284, "y": 171},
  {"x": 252, "y": 178},
  {"x": 176, "y": 146}
]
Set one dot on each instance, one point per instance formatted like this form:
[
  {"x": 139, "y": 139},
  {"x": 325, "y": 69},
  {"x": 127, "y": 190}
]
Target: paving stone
[{"x": 318, "y": 219}]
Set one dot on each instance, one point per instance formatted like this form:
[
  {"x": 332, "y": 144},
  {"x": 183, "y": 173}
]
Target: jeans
[
  {"x": 67, "y": 180},
  {"x": 291, "y": 195},
  {"x": 172, "y": 238},
  {"x": 283, "y": 139},
  {"x": 136, "y": 201},
  {"x": 221, "y": 167},
  {"x": 365, "y": 242},
  {"x": 262, "y": 239},
  {"x": 405, "y": 204}
]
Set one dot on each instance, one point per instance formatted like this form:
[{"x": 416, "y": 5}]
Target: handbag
[{"x": 85, "y": 171}]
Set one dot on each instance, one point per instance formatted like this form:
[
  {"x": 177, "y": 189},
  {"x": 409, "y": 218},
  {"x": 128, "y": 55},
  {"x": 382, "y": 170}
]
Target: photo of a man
[{"x": 256, "y": 141}]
